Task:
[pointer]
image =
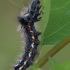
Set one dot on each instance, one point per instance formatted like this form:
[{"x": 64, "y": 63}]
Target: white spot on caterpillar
[
  {"x": 33, "y": 37},
  {"x": 31, "y": 31},
  {"x": 25, "y": 62},
  {"x": 20, "y": 67},
  {"x": 28, "y": 26},
  {"x": 32, "y": 45},
  {"x": 30, "y": 54}
]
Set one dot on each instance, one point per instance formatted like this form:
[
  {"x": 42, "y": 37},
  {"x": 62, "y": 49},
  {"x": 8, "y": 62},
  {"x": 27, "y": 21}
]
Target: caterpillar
[{"x": 27, "y": 22}]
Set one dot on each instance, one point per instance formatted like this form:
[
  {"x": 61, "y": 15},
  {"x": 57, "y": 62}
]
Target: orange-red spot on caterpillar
[
  {"x": 27, "y": 58},
  {"x": 31, "y": 49},
  {"x": 28, "y": 24},
  {"x": 32, "y": 33},
  {"x": 33, "y": 40},
  {"x": 23, "y": 65},
  {"x": 29, "y": 28}
]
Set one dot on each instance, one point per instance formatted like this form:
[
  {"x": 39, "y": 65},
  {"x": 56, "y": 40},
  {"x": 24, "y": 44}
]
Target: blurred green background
[{"x": 10, "y": 38}]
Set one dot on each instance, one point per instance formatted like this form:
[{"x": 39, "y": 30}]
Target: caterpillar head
[{"x": 24, "y": 19}]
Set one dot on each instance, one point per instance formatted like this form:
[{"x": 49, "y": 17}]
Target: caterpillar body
[{"x": 27, "y": 22}]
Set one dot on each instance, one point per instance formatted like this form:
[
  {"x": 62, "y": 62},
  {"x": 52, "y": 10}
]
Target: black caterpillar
[{"x": 27, "y": 22}]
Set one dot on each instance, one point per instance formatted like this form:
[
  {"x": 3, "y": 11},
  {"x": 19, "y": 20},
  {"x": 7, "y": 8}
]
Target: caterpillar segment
[{"x": 32, "y": 42}]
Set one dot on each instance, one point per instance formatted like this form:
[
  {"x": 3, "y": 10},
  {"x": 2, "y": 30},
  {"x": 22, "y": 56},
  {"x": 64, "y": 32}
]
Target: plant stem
[{"x": 53, "y": 51}]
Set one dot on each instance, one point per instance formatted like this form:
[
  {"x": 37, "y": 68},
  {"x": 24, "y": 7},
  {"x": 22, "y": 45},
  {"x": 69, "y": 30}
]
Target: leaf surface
[{"x": 58, "y": 26}]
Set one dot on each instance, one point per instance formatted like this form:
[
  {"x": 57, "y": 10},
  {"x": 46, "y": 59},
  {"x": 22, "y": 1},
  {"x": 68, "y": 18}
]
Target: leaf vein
[
  {"x": 57, "y": 30},
  {"x": 62, "y": 6}
]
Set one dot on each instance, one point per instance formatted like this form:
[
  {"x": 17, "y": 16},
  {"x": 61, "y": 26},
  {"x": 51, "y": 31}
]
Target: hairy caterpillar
[{"x": 27, "y": 22}]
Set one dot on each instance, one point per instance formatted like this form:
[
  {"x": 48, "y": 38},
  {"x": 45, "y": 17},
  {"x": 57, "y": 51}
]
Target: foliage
[
  {"x": 59, "y": 66},
  {"x": 58, "y": 22}
]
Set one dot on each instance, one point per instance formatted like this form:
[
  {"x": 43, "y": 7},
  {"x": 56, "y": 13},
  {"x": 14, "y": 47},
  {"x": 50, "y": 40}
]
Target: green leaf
[
  {"x": 58, "y": 26},
  {"x": 45, "y": 17},
  {"x": 59, "y": 66},
  {"x": 46, "y": 11}
]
